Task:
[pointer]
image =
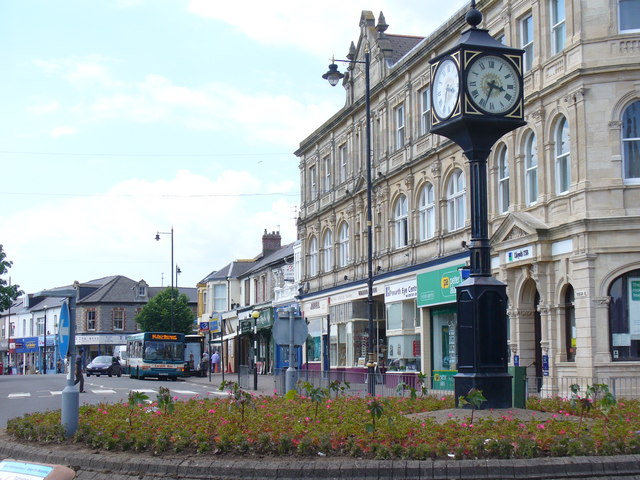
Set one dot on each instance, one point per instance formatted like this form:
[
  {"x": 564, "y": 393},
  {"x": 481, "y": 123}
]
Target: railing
[{"x": 621, "y": 387}]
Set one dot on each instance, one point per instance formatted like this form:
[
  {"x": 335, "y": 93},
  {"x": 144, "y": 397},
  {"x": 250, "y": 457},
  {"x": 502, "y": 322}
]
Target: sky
[{"x": 123, "y": 118}]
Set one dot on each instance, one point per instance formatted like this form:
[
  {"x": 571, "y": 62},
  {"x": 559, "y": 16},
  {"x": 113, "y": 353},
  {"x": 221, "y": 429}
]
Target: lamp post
[
  {"x": 333, "y": 76},
  {"x": 172, "y": 271},
  {"x": 70, "y": 394},
  {"x": 255, "y": 315},
  {"x": 44, "y": 350}
]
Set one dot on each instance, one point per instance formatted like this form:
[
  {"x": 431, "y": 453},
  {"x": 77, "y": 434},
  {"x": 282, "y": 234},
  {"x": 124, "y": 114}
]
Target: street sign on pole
[
  {"x": 63, "y": 330},
  {"x": 280, "y": 331}
]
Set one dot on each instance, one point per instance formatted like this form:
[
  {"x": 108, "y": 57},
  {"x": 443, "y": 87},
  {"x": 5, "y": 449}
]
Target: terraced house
[{"x": 564, "y": 196}]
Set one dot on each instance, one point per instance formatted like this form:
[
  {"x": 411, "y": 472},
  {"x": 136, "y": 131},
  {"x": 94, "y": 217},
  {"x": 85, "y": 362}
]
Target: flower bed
[{"x": 342, "y": 426}]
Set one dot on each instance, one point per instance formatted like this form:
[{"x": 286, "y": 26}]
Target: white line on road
[
  {"x": 103, "y": 391},
  {"x": 185, "y": 392},
  {"x": 19, "y": 395}
]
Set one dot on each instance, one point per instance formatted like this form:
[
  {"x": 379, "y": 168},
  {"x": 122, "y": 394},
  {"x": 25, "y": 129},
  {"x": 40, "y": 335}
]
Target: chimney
[{"x": 270, "y": 242}]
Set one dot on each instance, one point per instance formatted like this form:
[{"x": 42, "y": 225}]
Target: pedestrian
[
  {"x": 79, "y": 376},
  {"x": 204, "y": 364},
  {"x": 215, "y": 360},
  {"x": 59, "y": 366}
]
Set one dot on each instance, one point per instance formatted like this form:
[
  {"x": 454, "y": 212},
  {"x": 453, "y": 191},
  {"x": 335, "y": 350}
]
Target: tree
[
  {"x": 168, "y": 311},
  {"x": 8, "y": 293}
]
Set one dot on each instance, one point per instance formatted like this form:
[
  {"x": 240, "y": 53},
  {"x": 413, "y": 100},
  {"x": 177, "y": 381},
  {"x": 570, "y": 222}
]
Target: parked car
[{"x": 104, "y": 365}]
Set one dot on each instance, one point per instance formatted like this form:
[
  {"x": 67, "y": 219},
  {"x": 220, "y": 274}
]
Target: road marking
[
  {"x": 103, "y": 391},
  {"x": 19, "y": 395},
  {"x": 142, "y": 390},
  {"x": 218, "y": 393},
  {"x": 185, "y": 392},
  {"x": 58, "y": 392}
]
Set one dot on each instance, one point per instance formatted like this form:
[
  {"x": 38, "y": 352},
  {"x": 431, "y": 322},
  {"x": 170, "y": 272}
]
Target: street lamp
[
  {"x": 255, "y": 315},
  {"x": 333, "y": 76},
  {"x": 172, "y": 271}
]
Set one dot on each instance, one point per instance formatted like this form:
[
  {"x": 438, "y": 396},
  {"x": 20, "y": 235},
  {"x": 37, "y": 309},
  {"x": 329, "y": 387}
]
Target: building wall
[{"x": 582, "y": 238}]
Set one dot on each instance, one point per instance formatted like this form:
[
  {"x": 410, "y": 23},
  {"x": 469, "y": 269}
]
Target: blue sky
[{"x": 120, "y": 118}]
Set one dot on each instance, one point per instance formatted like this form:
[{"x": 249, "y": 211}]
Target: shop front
[
  {"x": 316, "y": 314},
  {"x": 402, "y": 352},
  {"x": 94, "y": 345},
  {"x": 436, "y": 298}
]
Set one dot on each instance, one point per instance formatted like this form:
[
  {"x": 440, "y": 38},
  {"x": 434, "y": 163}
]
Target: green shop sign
[{"x": 439, "y": 286}]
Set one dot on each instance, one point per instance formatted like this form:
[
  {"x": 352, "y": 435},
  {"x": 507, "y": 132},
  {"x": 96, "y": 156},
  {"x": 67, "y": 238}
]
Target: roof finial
[{"x": 474, "y": 17}]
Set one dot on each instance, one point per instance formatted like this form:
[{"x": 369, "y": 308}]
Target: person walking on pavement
[
  {"x": 204, "y": 364},
  {"x": 215, "y": 360},
  {"x": 78, "y": 374}
]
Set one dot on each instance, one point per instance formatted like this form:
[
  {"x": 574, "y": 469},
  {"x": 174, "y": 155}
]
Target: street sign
[
  {"x": 63, "y": 330},
  {"x": 204, "y": 326},
  {"x": 280, "y": 331}
]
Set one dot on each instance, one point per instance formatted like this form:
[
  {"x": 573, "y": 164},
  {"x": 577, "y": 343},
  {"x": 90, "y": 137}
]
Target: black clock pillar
[{"x": 489, "y": 105}]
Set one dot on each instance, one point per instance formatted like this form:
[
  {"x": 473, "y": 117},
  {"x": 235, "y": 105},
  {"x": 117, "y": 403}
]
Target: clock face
[
  {"x": 493, "y": 84},
  {"x": 446, "y": 87}
]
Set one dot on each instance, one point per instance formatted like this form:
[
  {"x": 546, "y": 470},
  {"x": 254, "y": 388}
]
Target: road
[{"x": 21, "y": 394}]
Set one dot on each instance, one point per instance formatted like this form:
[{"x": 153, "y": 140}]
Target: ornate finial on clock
[{"x": 474, "y": 17}]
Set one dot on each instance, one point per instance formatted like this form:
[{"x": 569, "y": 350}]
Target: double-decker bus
[{"x": 155, "y": 354}]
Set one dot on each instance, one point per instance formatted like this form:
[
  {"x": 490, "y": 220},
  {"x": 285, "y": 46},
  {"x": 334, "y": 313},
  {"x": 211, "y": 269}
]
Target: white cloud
[
  {"x": 44, "y": 108},
  {"x": 63, "y": 130},
  {"x": 113, "y": 233},
  {"x": 88, "y": 72}
]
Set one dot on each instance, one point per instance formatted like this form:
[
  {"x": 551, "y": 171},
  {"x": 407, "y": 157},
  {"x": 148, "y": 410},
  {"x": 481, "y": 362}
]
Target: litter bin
[{"x": 519, "y": 386}]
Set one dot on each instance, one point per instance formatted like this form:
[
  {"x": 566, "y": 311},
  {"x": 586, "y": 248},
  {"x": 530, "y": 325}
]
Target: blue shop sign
[{"x": 26, "y": 345}]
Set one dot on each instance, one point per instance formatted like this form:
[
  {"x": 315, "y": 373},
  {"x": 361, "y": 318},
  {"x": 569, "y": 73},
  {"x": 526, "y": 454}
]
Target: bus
[
  {"x": 193, "y": 349},
  {"x": 155, "y": 354}
]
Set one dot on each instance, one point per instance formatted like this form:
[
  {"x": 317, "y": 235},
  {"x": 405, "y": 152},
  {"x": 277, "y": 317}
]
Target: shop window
[
  {"x": 443, "y": 339},
  {"x": 631, "y": 140},
  {"x": 314, "y": 344},
  {"x": 624, "y": 317},
  {"x": 570, "y": 324}
]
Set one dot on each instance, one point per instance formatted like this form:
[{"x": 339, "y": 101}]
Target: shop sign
[
  {"x": 524, "y": 253},
  {"x": 439, "y": 286},
  {"x": 316, "y": 308},
  {"x": 397, "y": 292},
  {"x": 214, "y": 323},
  {"x": 246, "y": 326},
  {"x": 26, "y": 345},
  {"x": 82, "y": 339}
]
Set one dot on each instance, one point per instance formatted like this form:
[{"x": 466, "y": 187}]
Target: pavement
[{"x": 91, "y": 464}]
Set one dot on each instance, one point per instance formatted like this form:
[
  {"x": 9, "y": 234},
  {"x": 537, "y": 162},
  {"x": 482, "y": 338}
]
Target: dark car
[{"x": 104, "y": 365}]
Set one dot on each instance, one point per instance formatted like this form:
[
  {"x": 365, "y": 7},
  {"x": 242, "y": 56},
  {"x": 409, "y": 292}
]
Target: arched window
[
  {"x": 456, "y": 201},
  {"x": 343, "y": 245},
  {"x": 400, "y": 218},
  {"x": 570, "y": 324},
  {"x": 631, "y": 140},
  {"x": 624, "y": 317},
  {"x": 563, "y": 157},
  {"x": 503, "y": 179},
  {"x": 327, "y": 247},
  {"x": 313, "y": 256},
  {"x": 427, "y": 212},
  {"x": 531, "y": 169}
]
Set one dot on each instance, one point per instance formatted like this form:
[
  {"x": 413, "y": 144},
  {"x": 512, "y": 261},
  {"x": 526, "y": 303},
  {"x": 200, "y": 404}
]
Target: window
[
  {"x": 401, "y": 220},
  {"x": 563, "y": 158},
  {"x": 503, "y": 180},
  {"x": 427, "y": 212},
  {"x": 219, "y": 298},
  {"x": 91, "y": 320},
  {"x": 342, "y": 152},
  {"x": 570, "y": 324},
  {"x": 327, "y": 252},
  {"x": 326, "y": 187},
  {"x": 624, "y": 317},
  {"x": 531, "y": 170},
  {"x": 631, "y": 140},
  {"x": 425, "y": 111},
  {"x": 526, "y": 41},
  {"x": 118, "y": 319},
  {"x": 629, "y": 11},
  {"x": 399, "y": 113},
  {"x": 313, "y": 182},
  {"x": 343, "y": 245},
  {"x": 557, "y": 26},
  {"x": 456, "y": 201},
  {"x": 313, "y": 256}
]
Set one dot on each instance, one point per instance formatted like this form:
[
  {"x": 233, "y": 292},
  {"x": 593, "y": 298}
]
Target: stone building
[{"x": 564, "y": 192}]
